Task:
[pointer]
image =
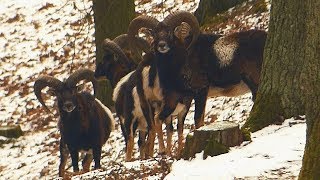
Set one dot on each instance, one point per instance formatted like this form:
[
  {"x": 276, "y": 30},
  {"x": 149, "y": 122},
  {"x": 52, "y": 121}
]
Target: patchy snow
[
  {"x": 55, "y": 38},
  {"x": 160, "y": 8}
]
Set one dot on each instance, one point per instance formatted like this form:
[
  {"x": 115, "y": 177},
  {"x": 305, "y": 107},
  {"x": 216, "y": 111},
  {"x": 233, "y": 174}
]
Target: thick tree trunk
[
  {"x": 112, "y": 18},
  {"x": 209, "y": 8},
  {"x": 311, "y": 89},
  {"x": 290, "y": 76},
  {"x": 279, "y": 94}
]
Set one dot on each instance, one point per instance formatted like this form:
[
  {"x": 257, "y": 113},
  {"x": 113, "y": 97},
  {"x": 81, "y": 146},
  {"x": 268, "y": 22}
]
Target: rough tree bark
[
  {"x": 111, "y": 18},
  {"x": 279, "y": 94},
  {"x": 311, "y": 89},
  {"x": 290, "y": 76}
]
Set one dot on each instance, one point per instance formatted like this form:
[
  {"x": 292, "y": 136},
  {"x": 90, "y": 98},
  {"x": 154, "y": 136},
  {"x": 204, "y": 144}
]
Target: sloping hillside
[{"x": 55, "y": 38}]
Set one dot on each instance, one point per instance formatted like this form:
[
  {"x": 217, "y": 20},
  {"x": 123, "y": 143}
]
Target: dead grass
[
  {"x": 16, "y": 18},
  {"x": 46, "y": 6}
]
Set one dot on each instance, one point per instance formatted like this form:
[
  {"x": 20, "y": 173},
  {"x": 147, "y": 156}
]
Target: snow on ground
[
  {"x": 275, "y": 152},
  {"x": 55, "y": 38},
  {"x": 35, "y": 37}
]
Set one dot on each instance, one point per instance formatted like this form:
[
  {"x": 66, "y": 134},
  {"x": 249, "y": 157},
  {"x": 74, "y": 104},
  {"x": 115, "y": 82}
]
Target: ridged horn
[
  {"x": 175, "y": 19},
  {"x": 82, "y": 74},
  {"x": 123, "y": 42},
  {"x": 143, "y": 44},
  {"x": 110, "y": 45},
  {"x": 140, "y": 22},
  {"x": 41, "y": 83}
]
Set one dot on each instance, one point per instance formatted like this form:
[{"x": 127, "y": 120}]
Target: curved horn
[
  {"x": 175, "y": 19},
  {"x": 110, "y": 45},
  {"x": 41, "y": 83},
  {"x": 82, "y": 74},
  {"x": 140, "y": 22},
  {"x": 123, "y": 42},
  {"x": 143, "y": 44}
]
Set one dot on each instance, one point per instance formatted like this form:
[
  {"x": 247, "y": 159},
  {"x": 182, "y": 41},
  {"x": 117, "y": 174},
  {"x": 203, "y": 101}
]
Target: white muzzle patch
[
  {"x": 68, "y": 106},
  {"x": 163, "y": 47}
]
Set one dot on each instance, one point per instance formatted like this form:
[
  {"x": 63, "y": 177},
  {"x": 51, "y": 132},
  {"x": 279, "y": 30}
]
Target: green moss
[
  {"x": 265, "y": 111},
  {"x": 186, "y": 150},
  {"x": 246, "y": 134},
  {"x": 214, "y": 148}
]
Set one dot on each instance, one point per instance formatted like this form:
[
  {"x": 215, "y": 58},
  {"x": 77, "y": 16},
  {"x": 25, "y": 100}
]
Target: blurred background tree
[{"x": 111, "y": 18}]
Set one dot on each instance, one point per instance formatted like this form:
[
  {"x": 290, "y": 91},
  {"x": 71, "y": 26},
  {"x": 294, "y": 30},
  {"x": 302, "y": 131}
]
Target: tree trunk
[
  {"x": 279, "y": 94},
  {"x": 290, "y": 76},
  {"x": 112, "y": 18},
  {"x": 209, "y": 8},
  {"x": 311, "y": 89}
]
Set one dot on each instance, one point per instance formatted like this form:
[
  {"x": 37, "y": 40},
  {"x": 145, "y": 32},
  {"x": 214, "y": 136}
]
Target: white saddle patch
[
  {"x": 151, "y": 93},
  {"x": 137, "y": 112},
  {"x": 224, "y": 49},
  {"x": 119, "y": 84}
]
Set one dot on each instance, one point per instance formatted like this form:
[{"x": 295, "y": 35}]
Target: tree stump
[
  {"x": 11, "y": 131},
  {"x": 213, "y": 139}
]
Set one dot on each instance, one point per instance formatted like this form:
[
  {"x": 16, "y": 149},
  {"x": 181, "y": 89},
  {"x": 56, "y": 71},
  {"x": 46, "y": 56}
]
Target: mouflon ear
[{"x": 51, "y": 92}]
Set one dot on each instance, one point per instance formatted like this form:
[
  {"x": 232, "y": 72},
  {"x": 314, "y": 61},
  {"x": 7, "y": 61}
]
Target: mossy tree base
[
  {"x": 264, "y": 113},
  {"x": 213, "y": 139}
]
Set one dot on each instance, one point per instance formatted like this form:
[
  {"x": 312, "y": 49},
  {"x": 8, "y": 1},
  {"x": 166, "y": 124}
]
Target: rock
[
  {"x": 213, "y": 139},
  {"x": 13, "y": 131}
]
